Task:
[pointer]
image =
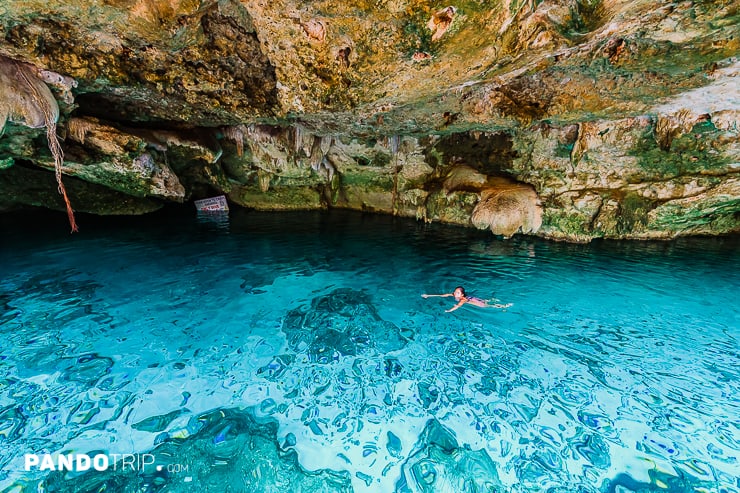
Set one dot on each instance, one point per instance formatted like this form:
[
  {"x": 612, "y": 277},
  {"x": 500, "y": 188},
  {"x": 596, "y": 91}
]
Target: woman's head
[{"x": 459, "y": 292}]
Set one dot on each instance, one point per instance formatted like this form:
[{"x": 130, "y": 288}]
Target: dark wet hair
[{"x": 462, "y": 290}]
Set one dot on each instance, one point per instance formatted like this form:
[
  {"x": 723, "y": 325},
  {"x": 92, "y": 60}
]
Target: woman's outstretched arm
[{"x": 459, "y": 304}]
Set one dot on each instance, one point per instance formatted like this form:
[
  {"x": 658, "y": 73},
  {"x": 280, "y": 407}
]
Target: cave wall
[{"x": 566, "y": 119}]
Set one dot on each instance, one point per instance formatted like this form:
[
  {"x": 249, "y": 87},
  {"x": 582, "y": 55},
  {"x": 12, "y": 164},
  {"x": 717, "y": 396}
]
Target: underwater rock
[
  {"x": 439, "y": 463},
  {"x": 342, "y": 323},
  {"x": 224, "y": 450},
  {"x": 658, "y": 480}
]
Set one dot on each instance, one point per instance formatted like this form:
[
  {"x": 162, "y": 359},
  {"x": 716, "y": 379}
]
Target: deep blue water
[{"x": 293, "y": 352}]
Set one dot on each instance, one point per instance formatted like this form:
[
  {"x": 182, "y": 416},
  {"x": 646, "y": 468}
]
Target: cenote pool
[{"x": 293, "y": 352}]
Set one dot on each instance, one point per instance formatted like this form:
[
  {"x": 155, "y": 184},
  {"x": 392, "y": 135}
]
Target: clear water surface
[{"x": 293, "y": 352}]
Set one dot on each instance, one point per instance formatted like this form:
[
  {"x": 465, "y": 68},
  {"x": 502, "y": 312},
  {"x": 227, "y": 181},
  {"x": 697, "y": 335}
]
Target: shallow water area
[{"x": 293, "y": 352}]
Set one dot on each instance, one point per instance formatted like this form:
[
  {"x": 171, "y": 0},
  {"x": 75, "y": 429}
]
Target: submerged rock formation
[
  {"x": 570, "y": 119},
  {"x": 209, "y": 452}
]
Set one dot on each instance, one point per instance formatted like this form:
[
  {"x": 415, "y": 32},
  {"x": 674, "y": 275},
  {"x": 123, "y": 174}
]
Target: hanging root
[
  {"x": 50, "y": 119},
  {"x": 56, "y": 151}
]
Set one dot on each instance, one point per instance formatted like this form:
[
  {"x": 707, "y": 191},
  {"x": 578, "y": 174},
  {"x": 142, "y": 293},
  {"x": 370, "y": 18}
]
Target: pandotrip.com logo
[{"x": 98, "y": 462}]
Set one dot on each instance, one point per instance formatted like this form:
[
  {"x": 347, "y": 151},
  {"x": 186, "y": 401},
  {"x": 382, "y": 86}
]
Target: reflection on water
[
  {"x": 218, "y": 219},
  {"x": 293, "y": 352}
]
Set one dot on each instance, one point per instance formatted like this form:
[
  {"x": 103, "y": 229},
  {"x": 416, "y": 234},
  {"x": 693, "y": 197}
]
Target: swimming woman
[{"x": 462, "y": 298}]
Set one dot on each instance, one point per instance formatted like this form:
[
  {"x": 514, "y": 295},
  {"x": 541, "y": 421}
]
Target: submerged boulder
[
  {"x": 439, "y": 463},
  {"x": 342, "y": 323},
  {"x": 219, "y": 450}
]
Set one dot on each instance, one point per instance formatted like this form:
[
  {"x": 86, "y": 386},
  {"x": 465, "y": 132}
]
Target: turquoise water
[{"x": 293, "y": 352}]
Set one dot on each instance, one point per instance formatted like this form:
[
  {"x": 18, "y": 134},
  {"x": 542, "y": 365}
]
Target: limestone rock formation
[
  {"x": 508, "y": 209},
  {"x": 602, "y": 118}
]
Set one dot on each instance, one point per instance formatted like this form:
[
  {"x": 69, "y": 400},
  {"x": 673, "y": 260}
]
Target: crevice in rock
[{"x": 489, "y": 153}]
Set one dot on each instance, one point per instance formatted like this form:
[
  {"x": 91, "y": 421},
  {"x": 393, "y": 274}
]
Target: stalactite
[
  {"x": 236, "y": 135},
  {"x": 77, "y": 128},
  {"x": 394, "y": 142},
  {"x": 318, "y": 158},
  {"x": 298, "y": 137},
  {"x": 325, "y": 144},
  {"x": 263, "y": 177}
]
